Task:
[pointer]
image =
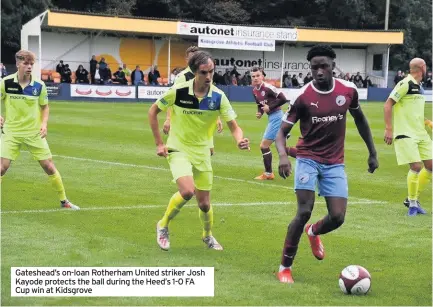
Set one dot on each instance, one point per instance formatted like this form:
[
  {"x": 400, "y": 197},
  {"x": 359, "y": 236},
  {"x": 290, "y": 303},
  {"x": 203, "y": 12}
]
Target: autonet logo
[
  {"x": 326, "y": 119},
  {"x": 192, "y": 112}
]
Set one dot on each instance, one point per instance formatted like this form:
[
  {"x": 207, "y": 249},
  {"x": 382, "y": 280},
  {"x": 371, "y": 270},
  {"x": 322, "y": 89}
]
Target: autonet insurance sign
[{"x": 198, "y": 29}]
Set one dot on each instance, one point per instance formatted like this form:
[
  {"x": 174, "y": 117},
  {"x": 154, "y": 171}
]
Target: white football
[{"x": 355, "y": 279}]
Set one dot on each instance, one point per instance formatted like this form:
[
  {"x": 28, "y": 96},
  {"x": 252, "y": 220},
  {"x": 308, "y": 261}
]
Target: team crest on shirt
[
  {"x": 212, "y": 105},
  {"x": 341, "y": 100},
  {"x": 35, "y": 92}
]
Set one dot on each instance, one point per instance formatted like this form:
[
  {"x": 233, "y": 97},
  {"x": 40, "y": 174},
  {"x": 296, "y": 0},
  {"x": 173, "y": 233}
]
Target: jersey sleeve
[
  {"x": 180, "y": 78},
  {"x": 3, "y": 91},
  {"x": 167, "y": 99},
  {"x": 226, "y": 110},
  {"x": 293, "y": 113},
  {"x": 354, "y": 104},
  {"x": 399, "y": 91},
  {"x": 43, "y": 96}
]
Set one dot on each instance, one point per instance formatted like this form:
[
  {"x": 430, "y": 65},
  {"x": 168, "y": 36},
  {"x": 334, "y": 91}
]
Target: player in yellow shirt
[
  {"x": 26, "y": 120},
  {"x": 183, "y": 76},
  {"x": 195, "y": 106},
  {"x": 412, "y": 143}
]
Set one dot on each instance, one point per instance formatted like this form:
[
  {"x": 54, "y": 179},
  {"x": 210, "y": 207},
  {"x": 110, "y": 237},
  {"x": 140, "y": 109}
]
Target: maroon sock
[{"x": 267, "y": 159}]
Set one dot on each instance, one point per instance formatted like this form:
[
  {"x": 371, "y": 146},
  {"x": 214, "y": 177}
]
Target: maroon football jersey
[
  {"x": 270, "y": 95},
  {"x": 322, "y": 117}
]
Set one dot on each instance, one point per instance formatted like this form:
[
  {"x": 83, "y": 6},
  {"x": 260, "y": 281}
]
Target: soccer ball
[{"x": 355, "y": 279}]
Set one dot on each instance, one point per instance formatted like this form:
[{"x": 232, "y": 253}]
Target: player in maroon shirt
[
  {"x": 269, "y": 100},
  {"x": 321, "y": 109}
]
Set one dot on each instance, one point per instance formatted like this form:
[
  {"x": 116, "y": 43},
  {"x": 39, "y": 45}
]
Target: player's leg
[
  {"x": 306, "y": 173},
  {"x": 203, "y": 180},
  {"x": 407, "y": 152},
  {"x": 333, "y": 186},
  {"x": 181, "y": 170},
  {"x": 267, "y": 160},
  {"x": 425, "y": 175}
]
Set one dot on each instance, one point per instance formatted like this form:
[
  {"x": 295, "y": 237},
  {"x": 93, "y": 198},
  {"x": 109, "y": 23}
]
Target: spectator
[
  {"x": 93, "y": 64},
  {"x": 246, "y": 79},
  {"x": 60, "y": 67},
  {"x": 352, "y": 78},
  {"x": 235, "y": 72},
  {"x": 227, "y": 79},
  {"x": 359, "y": 82},
  {"x": 346, "y": 77},
  {"x": 102, "y": 64},
  {"x": 137, "y": 76},
  {"x": 218, "y": 78},
  {"x": 428, "y": 80},
  {"x": 300, "y": 80},
  {"x": 285, "y": 77},
  {"x": 66, "y": 74},
  {"x": 82, "y": 75},
  {"x": 234, "y": 80},
  {"x": 98, "y": 78},
  {"x": 4, "y": 73},
  {"x": 308, "y": 78},
  {"x": 398, "y": 77},
  {"x": 126, "y": 70},
  {"x": 287, "y": 82},
  {"x": 153, "y": 75},
  {"x": 295, "y": 82},
  {"x": 107, "y": 76},
  {"x": 120, "y": 77},
  {"x": 367, "y": 82},
  {"x": 173, "y": 75}
]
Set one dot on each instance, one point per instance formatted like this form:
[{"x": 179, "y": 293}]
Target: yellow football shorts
[
  {"x": 12, "y": 145},
  {"x": 410, "y": 150},
  {"x": 200, "y": 168}
]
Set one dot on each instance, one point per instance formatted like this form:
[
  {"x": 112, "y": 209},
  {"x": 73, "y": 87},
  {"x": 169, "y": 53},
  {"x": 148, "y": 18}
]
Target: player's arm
[
  {"x": 259, "y": 112},
  {"x": 162, "y": 104},
  {"x": 238, "y": 135},
  {"x": 3, "y": 98},
  {"x": 364, "y": 131},
  {"x": 397, "y": 93},
  {"x": 228, "y": 115},
  {"x": 280, "y": 99},
  {"x": 45, "y": 111},
  {"x": 287, "y": 123},
  {"x": 428, "y": 123}
]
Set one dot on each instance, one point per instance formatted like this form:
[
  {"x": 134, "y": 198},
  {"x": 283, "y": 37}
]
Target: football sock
[
  {"x": 412, "y": 185},
  {"x": 282, "y": 268},
  {"x": 57, "y": 184},
  {"x": 423, "y": 180},
  {"x": 289, "y": 253},
  {"x": 207, "y": 221},
  {"x": 310, "y": 231},
  {"x": 267, "y": 159},
  {"x": 174, "y": 205}
]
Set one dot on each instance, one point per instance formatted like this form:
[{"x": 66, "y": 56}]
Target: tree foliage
[{"x": 411, "y": 16}]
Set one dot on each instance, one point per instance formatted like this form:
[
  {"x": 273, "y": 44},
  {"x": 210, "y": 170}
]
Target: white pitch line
[
  {"x": 267, "y": 184},
  {"x": 162, "y": 206}
]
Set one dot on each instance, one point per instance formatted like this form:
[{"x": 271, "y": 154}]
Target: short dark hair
[
  {"x": 199, "y": 58},
  {"x": 321, "y": 50},
  {"x": 192, "y": 49},
  {"x": 257, "y": 68}
]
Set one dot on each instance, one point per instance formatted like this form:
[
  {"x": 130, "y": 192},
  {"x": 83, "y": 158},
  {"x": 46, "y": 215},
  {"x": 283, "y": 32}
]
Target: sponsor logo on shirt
[
  {"x": 316, "y": 104},
  {"x": 326, "y": 119},
  {"x": 192, "y": 112},
  {"x": 186, "y": 102},
  {"x": 17, "y": 97},
  {"x": 13, "y": 89},
  {"x": 396, "y": 95}
]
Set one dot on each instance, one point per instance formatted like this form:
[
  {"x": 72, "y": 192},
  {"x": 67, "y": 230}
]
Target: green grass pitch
[{"x": 106, "y": 155}]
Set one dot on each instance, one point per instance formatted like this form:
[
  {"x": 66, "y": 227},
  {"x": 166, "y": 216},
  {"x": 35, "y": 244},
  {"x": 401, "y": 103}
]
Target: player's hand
[
  {"x": 388, "y": 136},
  {"x": 373, "y": 164},
  {"x": 259, "y": 115},
  {"x": 166, "y": 127},
  {"x": 43, "y": 131},
  {"x": 220, "y": 126},
  {"x": 428, "y": 123},
  {"x": 244, "y": 144},
  {"x": 162, "y": 150},
  {"x": 1, "y": 121},
  {"x": 284, "y": 167},
  {"x": 266, "y": 109}
]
